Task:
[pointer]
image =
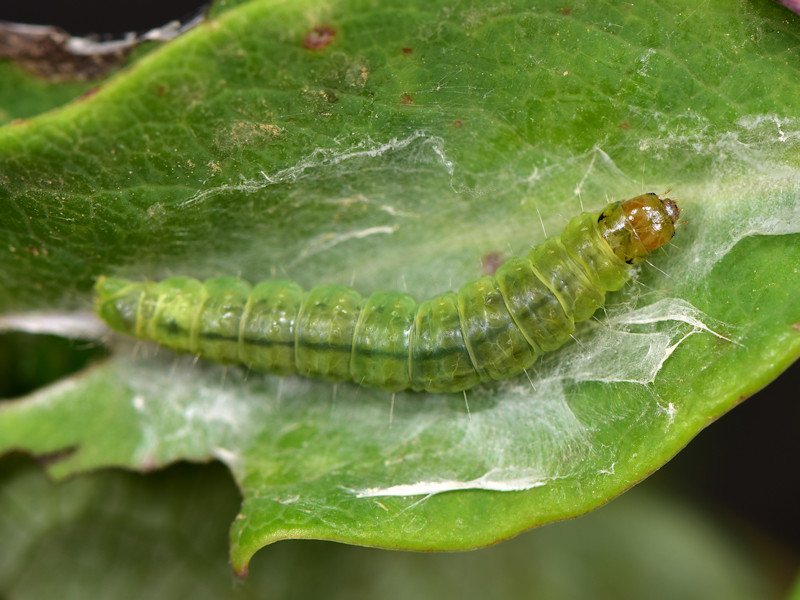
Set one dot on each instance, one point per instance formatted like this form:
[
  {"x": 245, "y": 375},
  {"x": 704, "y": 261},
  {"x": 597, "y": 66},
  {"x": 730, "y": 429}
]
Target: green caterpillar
[{"x": 492, "y": 328}]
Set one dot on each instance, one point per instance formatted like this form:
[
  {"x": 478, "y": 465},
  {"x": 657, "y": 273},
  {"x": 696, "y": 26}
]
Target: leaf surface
[{"x": 420, "y": 139}]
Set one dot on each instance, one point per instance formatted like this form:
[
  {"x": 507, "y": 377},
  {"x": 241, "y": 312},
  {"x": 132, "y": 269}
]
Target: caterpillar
[{"x": 493, "y": 328}]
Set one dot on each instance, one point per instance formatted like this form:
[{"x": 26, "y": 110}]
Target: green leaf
[
  {"x": 163, "y": 535},
  {"x": 23, "y": 96},
  {"x": 422, "y": 138},
  {"x": 26, "y": 92},
  {"x": 44, "y": 67}
]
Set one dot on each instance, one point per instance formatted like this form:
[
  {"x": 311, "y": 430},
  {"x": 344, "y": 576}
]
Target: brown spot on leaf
[
  {"x": 270, "y": 128},
  {"x": 796, "y": 326},
  {"x": 406, "y": 98},
  {"x": 624, "y": 126},
  {"x": 319, "y": 37},
  {"x": 490, "y": 262},
  {"x": 566, "y": 11},
  {"x": 88, "y": 93},
  {"x": 243, "y": 133},
  {"x": 407, "y": 50},
  {"x": 458, "y": 123}
]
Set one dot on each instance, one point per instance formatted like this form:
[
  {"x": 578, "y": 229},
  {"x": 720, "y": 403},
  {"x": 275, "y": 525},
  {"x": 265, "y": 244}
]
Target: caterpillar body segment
[{"x": 494, "y": 327}]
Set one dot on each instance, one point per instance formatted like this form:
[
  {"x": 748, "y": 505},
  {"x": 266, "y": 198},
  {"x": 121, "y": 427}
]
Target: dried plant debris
[{"x": 53, "y": 54}]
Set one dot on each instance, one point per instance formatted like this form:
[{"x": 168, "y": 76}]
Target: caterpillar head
[{"x": 634, "y": 228}]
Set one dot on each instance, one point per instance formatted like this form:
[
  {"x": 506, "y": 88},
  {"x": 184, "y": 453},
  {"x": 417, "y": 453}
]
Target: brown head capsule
[{"x": 634, "y": 228}]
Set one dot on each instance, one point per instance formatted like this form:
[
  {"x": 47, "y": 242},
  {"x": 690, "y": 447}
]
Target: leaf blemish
[
  {"x": 273, "y": 129},
  {"x": 246, "y": 132},
  {"x": 88, "y": 94},
  {"x": 490, "y": 262},
  {"x": 329, "y": 96},
  {"x": 319, "y": 37}
]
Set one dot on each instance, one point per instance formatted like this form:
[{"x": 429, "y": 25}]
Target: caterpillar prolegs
[{"x": 492, "y": 328}]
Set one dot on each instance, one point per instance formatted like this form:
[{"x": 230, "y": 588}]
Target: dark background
[{"x": 745, "y": 466}]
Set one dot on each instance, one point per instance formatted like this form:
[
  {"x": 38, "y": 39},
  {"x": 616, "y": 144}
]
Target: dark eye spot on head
[
  {"x": 490, "y": 262},
  {"x": 319, "y": 37}
]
